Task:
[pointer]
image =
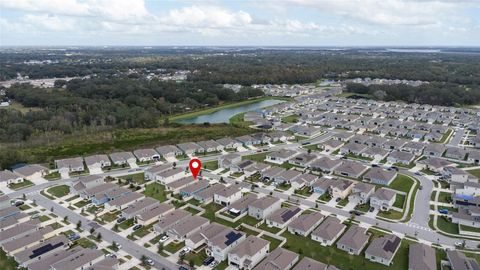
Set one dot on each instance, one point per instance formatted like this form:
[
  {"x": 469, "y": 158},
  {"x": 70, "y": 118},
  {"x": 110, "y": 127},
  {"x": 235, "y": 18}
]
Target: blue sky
[{"x": 240, "y": 23}]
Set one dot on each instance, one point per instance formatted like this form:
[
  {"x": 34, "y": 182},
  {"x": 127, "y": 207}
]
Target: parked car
[
  {"x": 185, "y": 251},
  {"x": 118, "y": 245},
  {"x": 443, "y": 211},
  {"x": 18, "y": 203},
  {"x": 149, "y": 262},
  {"x": 338, "y": 199},
  {"x": 137, "y": 227},
  {"x": 213, "y": 264},
  {"x": 208, "y": 261},
  {"x": 164, "y": 238},
  {"x": 35, "y": 216},
  {"x": 371, "y": 209},
  {"x": 120, "y": 220},
  {"x": 374, "y": 165}
]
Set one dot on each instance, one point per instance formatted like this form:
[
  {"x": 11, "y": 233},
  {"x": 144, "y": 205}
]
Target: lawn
[
  {"x": 7, "y": 263},
  {"x": 304, "y": 191},
  {"x": 475, "y": 172},
  {"x": 247, "y": 231},
  {"x": 399, "y": 201},
  {"x": 265, "y": 227},
  {"x": 445, "y": 197},
  {"x": 402, "y": 183},
  {"x": 126, "y": 224},
  {"x": 156, "y": 191},
  {"x": 390, "y": 214},
  {"x": 138, "y": 178},
  {"x": 284, "y": 186},
  {"x": 52, "y": 176},
  {"x": 362, "y": 207},
  {"x": 470, "y": 229},
  {"x": 192, "y": 210},
  {"x": 311, "y": 147},
  {"x": 81, "y": 204},
  {"x": 211, "y": 165},
  {"x": 446, "y": 225},
  {"x": 59, "y": 191},
  {"x": 85, "y": 243},
  {"x": 196, "y": 258},
  {"x": 174, "y": 247},
  {"x": 343, "y": 202},
  {"x": 256, "y": 157},
  {"x": 249, "y": 220},
  {"x": 23, "y": 184},
  {"x": 43, "y": 218},
  {"x": 353, "y": 156},
  {"x": 290, "y": 119},
  {"x": 274, "y": 243},
  {"x": 331, "y": 255},
  {"x": 110, "y": 216},
  {"x": 210, "y": 210},
  {"x": 445, "y": 136},
  {"x": 143, "y": 231}
]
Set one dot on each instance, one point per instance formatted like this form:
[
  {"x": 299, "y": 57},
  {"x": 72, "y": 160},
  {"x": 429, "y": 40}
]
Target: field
[
  {"x": 402, "y": 183},
  {"x": 156, "y": 191},
  {"x": 59, "y": 191}
]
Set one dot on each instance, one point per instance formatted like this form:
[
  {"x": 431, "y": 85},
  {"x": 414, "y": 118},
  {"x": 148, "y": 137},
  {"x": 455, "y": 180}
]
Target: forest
[{"x": 119, "y": 98}]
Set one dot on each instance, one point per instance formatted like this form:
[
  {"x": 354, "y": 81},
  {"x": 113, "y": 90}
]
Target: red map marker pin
[{"x": 195, "y": 166}]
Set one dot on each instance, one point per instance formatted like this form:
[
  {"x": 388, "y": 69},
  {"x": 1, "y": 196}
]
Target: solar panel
[
  {"x": 289, "y": 214},
  {"x": 44, "y": 249},
  {"x": 391, "y": 246},
  {"x": 232, "y": 237}
]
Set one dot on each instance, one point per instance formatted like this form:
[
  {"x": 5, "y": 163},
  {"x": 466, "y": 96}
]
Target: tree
[
  {"x": 99, "y": 236},
  {"x": 24, "y": 196},
  {"x": 115, "y": 227},
  {"x": 65, "y": 219},
  {"x": 160, "y": 247},
  {"x": 143, "y": 259},
  {"x": 92, "y": 230},
  {"x": 79, "y": 225},
  {"x": 191, "y": 263}
]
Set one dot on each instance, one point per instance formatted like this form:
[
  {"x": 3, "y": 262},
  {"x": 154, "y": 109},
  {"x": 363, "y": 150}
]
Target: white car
[
  {"x": 150, "y": 262},
  {"x": 213, "y": 264},
  {"x": 164, "y": 238},
  {"x": 119, "y": 246}
]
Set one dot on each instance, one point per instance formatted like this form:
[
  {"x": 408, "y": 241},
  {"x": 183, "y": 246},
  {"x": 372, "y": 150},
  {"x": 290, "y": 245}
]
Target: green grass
[
  {"x": 174, "y": 247},
  {"x": 265, "y": 227},
  {"x": 290, "y": 119},
  {"x": 343, "y": 202},
  {"x": 138, "y": 178},
  {"x": 475, "y": 172},
  {"x": 7, "y": 263},
  {"x": 428, "y": 172},
  {"x": 196, "y": 258},
  {"x": 52, "y": 176},
  {"x": 43, "y": 218},
  {"x": 353, "y": 156},
  {"x": 399, "y": 201},
  {"x": 81, "y": 204},
  {"x": 331, "y": 255},
  {"x": 72, "y": 198},
  {"x": 304, "y": 191},
  {"x": 444, "y": 197},
  {"x": 247, "y": 231},
  {"x": 362, "y": 207},
  {"x": 126, "y": 224},
  {"x": 402, "y": 183},
  {"x": 390, "y": 214},
  {"x": 312, "y": 147},
  {"x": 156, "y": 191},
  {"x": 274, "y": 243},
  {"x": 56, "y": 226},
  {"x": 21, "y": 185},
  {"x": 110, "y": 216},
  {"x": 210, "y": 210},
  {"x": 256, "y": 157},
  {"x": 85, "y": 243},
  {"x": 24, "y": 207},
  {"x": 143, "y": 231},
  {"x": 446, "y": 225},
  {"x": 249, "y": 220},
  {"x": 211, "y": 165},
  {"x": 445, "y": 136},
  {"x": 284, "y": 186},
  {"x": 86, "y": 143},
  {"x": 470, "y": 229},
  {"x": 192, "y": 210},
  {"x": 59, "y": 191}
]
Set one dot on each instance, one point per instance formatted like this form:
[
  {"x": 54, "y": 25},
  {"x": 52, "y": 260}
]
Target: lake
[{"x": 223, "y": 115}]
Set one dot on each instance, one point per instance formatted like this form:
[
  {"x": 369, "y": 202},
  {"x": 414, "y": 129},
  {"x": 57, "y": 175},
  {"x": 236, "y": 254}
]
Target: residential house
[
  {"x": 322, "y": 185},
  {"x": 305, "y": 223},
  {"x": 194, "y": 188},
  {"x": 201, "y": 237},
  {"x": 325, "y": 164},
  {"x": 474, "y": 156},
  {"x": 123, "y": 158},
  {"x": 85, "y": 182},
  {"x": 456, "y": 153},
  {"x": 415, "y": 148},
  {"x": 248, "y": 253},
  {"x": 263, "y": 207},
  {"x": 328, "y": 231},
  {"x": 383, "y": 199},
  {"x": 458, "y": 261},
  {"x": 206, "y": 195},
  {"x": 186, "y": 227},
  {"x": 169, "y": 151},
  {"x": 170, "y": 219},
  {"x": 153, "y": 172},
  {"x": 434, "y": 164},
  {"x": 330, "y": 145},
  {"x": 70, "y": 165},
  {"x": 305, "y": 179},
  {"x": 309, "y": 264},
  {"x": 190, "y": 148},
  {"x": 380, "y": 176},
  {"x": 278, "y": 259},
  {"x": 177, "y": 185},
  {"x": 434, "y": 149},
  {"x": 361, "y": 193},
  {"x": 467, "y": 216},
  {"x": 31, "y": 172},
  {"x": 124, "y": 201},
  {"x": 171, "y": 175},
  {"x": 352, "y": 148},
  {"x": 354, "y": 240},
  {"x": 270, "y": 173},
  {"x": 139, "y": 207},
  {"x": 211, "y": 146},
  {"x": 153, "y": 214},
  {"x": 226, "y": 161},
  {"x": 241, "y": 206},
  {"x": 229, "y": 143},
  {"x": 227, "y": 195},
  {"x": 287, "y": 176},
  {"x": 383, "y": 249},
  {"x": 8, "y": 177},
  {"x": 374, "y": 152},
  {"x": 401, "y": 157},
  {"x": 97, "y": 162},
  {"x": 421, "y": 257},
  {"x": 341, "y": 188},
  {"x": 146, "y": 155},
  {"x": 247, "y": 140},
  {"x": 302, "y": 159},
  {"x": 281, "y": 217},
  {"x": 221, "y": 244},
  {"x": 351, "y": 169},
  {"x": 280, "y": 156}
]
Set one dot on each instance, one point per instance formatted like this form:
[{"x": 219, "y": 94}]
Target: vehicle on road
[{"x": 149, "y": 262}]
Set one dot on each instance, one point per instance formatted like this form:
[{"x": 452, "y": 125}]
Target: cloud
[{"x": 49, "y": 22}]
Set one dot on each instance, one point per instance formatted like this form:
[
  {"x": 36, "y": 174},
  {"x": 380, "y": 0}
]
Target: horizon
[{"x": 297, "y": 23}]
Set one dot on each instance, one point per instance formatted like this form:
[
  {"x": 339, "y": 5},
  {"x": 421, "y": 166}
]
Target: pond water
[{"x": 224, "y": 115}]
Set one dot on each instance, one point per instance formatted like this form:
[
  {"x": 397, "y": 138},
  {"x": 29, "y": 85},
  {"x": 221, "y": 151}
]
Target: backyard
[{"x": 156, "y": 191}]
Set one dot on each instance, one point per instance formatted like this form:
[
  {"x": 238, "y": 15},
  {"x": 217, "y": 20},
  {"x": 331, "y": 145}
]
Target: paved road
[
  {"x": 129, "y": 246},
  {"x": 457, "y": 137},
  {"x": 420, "y": 214}
]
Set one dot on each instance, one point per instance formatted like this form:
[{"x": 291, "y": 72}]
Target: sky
[{"x": 240, "y": 23}]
